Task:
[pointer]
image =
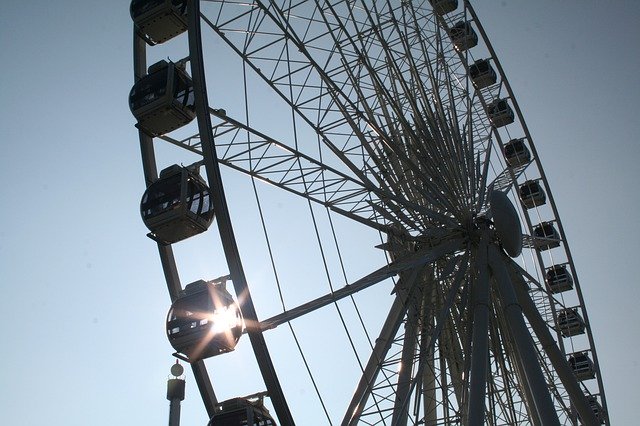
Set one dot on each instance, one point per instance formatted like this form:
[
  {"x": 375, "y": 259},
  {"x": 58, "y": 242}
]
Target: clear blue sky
[{"x": 83, "y": 296}]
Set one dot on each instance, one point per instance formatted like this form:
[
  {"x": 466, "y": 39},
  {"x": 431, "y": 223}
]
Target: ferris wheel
[{"x": 406, "y": 261}]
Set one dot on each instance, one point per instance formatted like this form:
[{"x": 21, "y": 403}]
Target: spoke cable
[{"x": 272, "y": 259}]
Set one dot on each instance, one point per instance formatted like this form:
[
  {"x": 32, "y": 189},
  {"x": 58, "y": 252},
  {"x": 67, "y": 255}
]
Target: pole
[
  {"x": 480, "y": 339},
  {"x": 175, "y": 394}
]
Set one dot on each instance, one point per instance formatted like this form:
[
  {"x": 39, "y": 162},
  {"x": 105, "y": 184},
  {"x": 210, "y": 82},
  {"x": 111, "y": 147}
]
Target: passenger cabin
[
  {"x": 532, "y": 194},
  {"x": 546, "y": 236},
  {"x": 442, "y": 7},
  {"x": 204, "y": 321},
  {"x": 162, "y": 100},
  {"x": 159, "y": 20},
  {"x": 558, "y": 279},
  {"x": 482, "y": 74},
  {"x": 569, "y": 322},
  {"x": 500, "y": 113},
  {"x": 242, "y": 412},
  {"x": 177, "y": 205},
  {"x": 582, "y": 366},
  {"x": 516, "y": 153},
  {"x": 596, "y": 407},
  {"x": 463, "y": 36}
]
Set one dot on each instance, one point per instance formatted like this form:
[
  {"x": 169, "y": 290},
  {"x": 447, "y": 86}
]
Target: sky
[{"x": 83, "y": 295}]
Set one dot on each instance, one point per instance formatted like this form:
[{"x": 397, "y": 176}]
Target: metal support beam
[
  {"x": 428, "y": 373},
  {"x": 382, "y": 345},
  {"x": 444, "y": 312},
  {"x": 522, "y": 378},
  {"x": 558, "y": 360},
  {"x": 400, "y": 410},
  {"x": 480, "y": 339},
  {"x": 423, "y": 257},
  {"x": 525, "y": 346}
]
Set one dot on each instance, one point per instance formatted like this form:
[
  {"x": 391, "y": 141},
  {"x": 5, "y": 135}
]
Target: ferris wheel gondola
[
  {"x": 159, "y": 20},
  {"x": 204, "y": 321},
  {"x": 248, "y": 411},
  {"x": 163, "y": 101},
  {"x": 177, "y": 205}
]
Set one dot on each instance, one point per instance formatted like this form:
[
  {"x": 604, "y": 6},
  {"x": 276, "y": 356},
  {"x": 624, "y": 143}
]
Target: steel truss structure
[{"x": 388, "y": 130}]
